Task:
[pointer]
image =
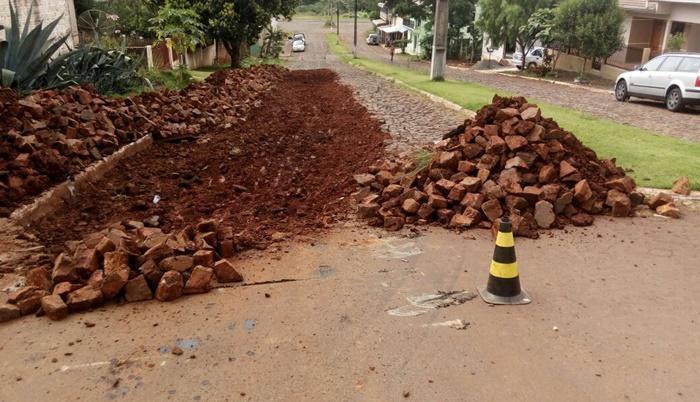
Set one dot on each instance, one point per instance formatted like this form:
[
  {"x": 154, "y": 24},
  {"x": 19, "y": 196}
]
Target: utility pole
[
  {"x": 354, "y": 41},
  {"x": 439, "y": 59}
]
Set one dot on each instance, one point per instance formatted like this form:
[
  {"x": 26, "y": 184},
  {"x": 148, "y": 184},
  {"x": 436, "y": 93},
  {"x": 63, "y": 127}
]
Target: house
[
  {"x": 647, "y": 27},
  {"x": 393, "y": 28},
  {"x": 46, "y": 11},
  {"x": 649, "y": 24}
]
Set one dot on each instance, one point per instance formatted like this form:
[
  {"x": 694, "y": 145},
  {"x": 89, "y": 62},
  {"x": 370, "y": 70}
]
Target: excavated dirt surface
[{"x": 285, "y": 169}]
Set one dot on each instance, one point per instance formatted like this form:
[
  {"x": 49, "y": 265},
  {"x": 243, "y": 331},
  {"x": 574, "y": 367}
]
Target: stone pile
[
  {"x": 509, "y": 160},
  {"x": 128, "y": 262},
  {"x": 52, "y": 134}
]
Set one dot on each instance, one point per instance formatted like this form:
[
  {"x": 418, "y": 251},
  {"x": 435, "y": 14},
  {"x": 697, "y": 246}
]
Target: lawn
[{"x": 652, "y": 159}]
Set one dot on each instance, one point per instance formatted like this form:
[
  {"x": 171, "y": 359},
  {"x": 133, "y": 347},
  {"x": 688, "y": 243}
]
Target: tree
[
  {"x": 237, "y": 23},
  {"x": 461, "y": 17},
  {"x": 593, "y": 27},
  {"x": 181, "y": 26},
  {"x": 505, "y": 20},
  {"x": 134, "y": 15}
]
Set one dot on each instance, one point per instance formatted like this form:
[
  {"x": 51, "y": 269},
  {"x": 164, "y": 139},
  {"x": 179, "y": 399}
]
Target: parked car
[
  {"x": 298, "y": 46},
  {"x": 535, "y": 57},
  {"x": 373, "y": 40},
  {"x": 672, "y": 77},
  {"x": 299, "y": 36}
]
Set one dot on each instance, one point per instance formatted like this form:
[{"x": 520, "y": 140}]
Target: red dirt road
[{"x": 284, "y": 169}]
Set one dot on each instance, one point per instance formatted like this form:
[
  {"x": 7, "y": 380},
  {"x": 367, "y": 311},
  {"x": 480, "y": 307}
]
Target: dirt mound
[
  {"x": 146, "y": 229},
  {"x": 284, "y": 168},
  {"x": 51, "y": 135},
  {"x": 508, "y": 159}
]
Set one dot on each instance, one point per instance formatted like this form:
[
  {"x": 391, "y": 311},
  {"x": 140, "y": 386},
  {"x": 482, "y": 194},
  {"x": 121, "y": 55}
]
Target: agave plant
[
  {"x": 24, "y": 55},
  {"x": 110, "y": 71}
]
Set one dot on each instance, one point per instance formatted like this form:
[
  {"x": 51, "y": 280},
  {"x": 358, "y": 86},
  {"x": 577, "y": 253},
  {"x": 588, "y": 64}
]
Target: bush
[
  {"x": 175, "y": 79},
  {"x": 675, "y": 42},
  {"x": 110, "y": 71},
  {"x": 273, "y": 44},
  {"x": 540, "y": 71}
]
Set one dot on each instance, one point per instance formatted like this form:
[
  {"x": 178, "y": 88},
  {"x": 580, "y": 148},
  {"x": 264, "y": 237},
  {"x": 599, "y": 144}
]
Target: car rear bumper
[{"x": 692, "y": 95}]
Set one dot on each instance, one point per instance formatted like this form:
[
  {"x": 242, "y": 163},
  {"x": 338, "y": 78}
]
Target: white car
[
  {"x": 672, "y": 77},
  {"x": 535, "y": 57},
  {"x": 298, "y": 46}
]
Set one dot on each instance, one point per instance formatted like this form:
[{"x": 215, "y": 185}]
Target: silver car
[
  {"x": 535, "y": 57},
  {"x": 672, "y": 77}
]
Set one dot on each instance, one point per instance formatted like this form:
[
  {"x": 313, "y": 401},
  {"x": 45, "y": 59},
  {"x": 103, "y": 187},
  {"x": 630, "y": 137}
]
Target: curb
[
  {"x": 693, "y": 197},
  {"x": 52, "y": 199},
  {"x": 566, "y": 84}
]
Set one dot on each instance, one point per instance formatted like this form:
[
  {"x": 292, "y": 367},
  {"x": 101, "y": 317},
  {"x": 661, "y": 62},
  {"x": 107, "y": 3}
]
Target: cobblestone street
[
  {"x": 639, "y": 113},
  {"x": 411, "y": 118}
]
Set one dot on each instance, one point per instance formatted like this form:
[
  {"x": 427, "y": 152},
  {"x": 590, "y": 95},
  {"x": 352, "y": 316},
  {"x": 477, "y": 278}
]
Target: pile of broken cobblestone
[
  {"x": 128, "y": 262},
  {"x": 52, "y": 134},
  {"x": 507, "y": 160}
]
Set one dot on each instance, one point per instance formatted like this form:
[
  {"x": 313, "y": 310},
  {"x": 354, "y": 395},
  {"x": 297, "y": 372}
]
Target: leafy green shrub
[
  {"x": 675, "y": 42},
  {"x": 273, "y": 43},
  {"x": 110, "y": 71},
  {"x": 24, "y": 55},
  {"x": 175, "y": 79}
]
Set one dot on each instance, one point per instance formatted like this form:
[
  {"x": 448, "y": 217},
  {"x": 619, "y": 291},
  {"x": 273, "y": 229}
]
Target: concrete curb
[
  {"x": 442, "y": 101},
  {"x": 52, "y": 199},
  {"x": 693, "y": 197},
  {"x": 566, "y": 84}
]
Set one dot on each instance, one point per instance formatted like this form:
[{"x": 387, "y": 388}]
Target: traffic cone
[{"x": 503, "y": 286}]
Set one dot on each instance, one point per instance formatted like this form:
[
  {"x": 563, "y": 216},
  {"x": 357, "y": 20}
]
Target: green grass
[
  {"x": 652, "y": 160},
  {"x": 202, "y": 73}
]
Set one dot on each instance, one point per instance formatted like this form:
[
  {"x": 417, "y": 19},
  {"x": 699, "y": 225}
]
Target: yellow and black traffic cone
[{"x": 503, "y": 286}]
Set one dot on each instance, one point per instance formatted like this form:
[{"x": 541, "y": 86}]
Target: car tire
[
  {"x": 531, "y": 65},
  {"x": 621, "y": 93},
  {"x": 674, "y": 100}
]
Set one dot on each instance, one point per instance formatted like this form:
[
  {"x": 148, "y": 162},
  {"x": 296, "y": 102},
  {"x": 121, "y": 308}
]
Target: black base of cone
[{"x": 488, "y": 297}]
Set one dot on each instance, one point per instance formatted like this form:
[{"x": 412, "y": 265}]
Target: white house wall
[
  {"x": 685, "y": 12},
  {"x": 46, "y": 11}
]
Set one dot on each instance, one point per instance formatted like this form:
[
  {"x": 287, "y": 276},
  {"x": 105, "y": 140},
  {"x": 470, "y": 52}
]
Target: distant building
[
  {"x": 46, "y": 11},
  {"x": 647, "y": 27},
  {"x": 392, "y": 28}
]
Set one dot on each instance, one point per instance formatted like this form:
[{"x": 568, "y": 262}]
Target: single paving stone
[
  {"x": 54, "y": 307},
  {"x": 200, "y": 280},
  {"x": 137, "y": 290},
  {"x": 8, "y": 312},
  {"x": 170, "y": 286},
  {"x": 225, "y": 272}
]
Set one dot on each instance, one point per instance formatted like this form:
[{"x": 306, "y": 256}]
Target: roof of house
[{"x": 395, "y": 28}]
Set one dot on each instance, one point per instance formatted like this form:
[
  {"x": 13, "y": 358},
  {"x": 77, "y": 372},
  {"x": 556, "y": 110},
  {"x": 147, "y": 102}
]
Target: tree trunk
[
  {"x": 233, "y": 48},
  {"x": 524, "y": 52}
]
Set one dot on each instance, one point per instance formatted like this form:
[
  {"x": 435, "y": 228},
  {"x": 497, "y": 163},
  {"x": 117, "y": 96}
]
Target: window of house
[
  {"x": 654, "y": 64},
  {"x": 671, "y": 63},
  {"x": 690, "y": 65},
  {"x": 677, "y": 27}
]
